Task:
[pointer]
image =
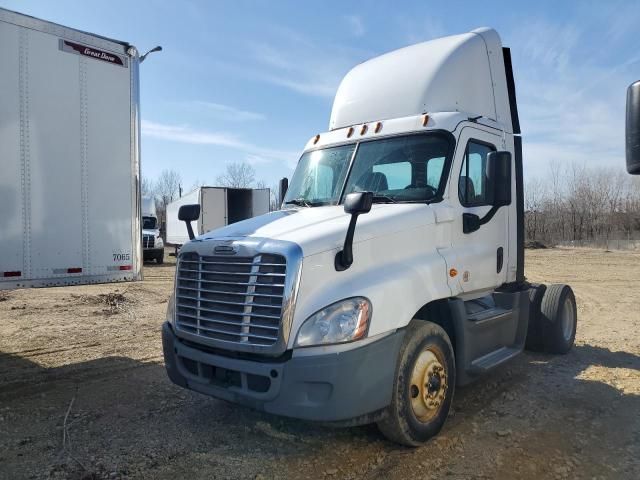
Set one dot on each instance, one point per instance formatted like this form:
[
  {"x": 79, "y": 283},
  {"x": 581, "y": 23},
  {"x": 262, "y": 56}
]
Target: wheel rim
[
  {"x": 428, "y": 387},
  {"x": 567, "y": 319}
]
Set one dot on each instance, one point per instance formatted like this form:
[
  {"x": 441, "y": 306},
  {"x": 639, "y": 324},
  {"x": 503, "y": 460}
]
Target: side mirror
[
  {"x": 358, "y": 202},
  {"x": 188, "y": 214},
  {"x": 284, "y": 186},
  {"x": 499, "y": 175},
  {"x": 355, "y": 204},
  {"x": 633, "y": 129}
]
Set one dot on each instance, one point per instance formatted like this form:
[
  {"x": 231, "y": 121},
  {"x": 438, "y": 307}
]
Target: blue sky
[{"x": 253, "y": 81}]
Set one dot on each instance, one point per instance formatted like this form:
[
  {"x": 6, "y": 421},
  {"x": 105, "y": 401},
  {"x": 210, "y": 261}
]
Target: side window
[
  {"x": 434, "y": 171},
  {"x": 473, "y": 188}
]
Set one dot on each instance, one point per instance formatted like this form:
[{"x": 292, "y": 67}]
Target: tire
[
  {"x": 559, "y": 318},
  {"x": 160, "y": 258},
  {"x": 426, "y": 354},
  {"x": 534, "y": 341}
]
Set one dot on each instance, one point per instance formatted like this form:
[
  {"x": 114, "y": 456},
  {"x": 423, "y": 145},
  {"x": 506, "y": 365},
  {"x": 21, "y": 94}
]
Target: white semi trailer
[
  {"x": 395, "y": 269},
  {"x": 219, "y": 206},
  {"x": 69, "y": 156}
]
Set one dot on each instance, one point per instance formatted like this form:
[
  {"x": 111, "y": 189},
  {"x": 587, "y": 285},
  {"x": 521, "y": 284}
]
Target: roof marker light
[
  {"x": 349, "y": 132},
  {"x": 378, "y": 127},
  {"x": 316, "y": 139},
  {"x": 425, "y": 120},
  {"x": 363, "y": 129}
]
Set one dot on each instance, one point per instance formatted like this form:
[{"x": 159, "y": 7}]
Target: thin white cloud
[
  {"x": 185, "y": 134},
  {"x": 355, "y": 25},
  {"x": 570, "y": 93},
  {"x": 227, "y": 112}
]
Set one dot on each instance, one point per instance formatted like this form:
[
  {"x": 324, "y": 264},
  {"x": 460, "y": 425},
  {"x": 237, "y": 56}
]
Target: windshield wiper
[
  {"x": 300, "y": 202},
  {"x": 383, "y": 199}
]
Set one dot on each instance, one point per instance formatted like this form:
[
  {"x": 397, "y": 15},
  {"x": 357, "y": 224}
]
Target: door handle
[{"x": 500, "y": 259}]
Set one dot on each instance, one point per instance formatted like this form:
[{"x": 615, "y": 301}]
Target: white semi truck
[
  {"x": 394, "y": 270},
  {"x": 69, "y": 156},
  {"x": 152, "y": 243}
]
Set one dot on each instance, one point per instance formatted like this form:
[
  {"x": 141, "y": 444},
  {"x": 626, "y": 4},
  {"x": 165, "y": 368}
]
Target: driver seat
[{"x": 373, "y": 182}]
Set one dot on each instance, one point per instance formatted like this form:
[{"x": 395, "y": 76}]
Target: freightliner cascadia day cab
[
  {"x": 394, "y": 270},
  {"x": 69, "y": 156},
  {"x": 152, "y": 244}
]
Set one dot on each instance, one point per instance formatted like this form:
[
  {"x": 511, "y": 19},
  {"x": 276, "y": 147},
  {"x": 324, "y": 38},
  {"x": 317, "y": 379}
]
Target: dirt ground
[{"x": 83, "y": 394}]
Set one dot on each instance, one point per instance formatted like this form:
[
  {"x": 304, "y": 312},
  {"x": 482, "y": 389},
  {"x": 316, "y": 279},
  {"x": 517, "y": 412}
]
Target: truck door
[{"x": 481, "y": 256}]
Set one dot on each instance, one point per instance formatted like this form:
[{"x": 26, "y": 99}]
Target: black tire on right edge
[
  {"x": 559, "y": 318},
  {"x": 401, "y": 424}
]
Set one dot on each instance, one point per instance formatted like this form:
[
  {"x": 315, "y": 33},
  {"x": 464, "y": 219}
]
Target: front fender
[{"x": 398, "y": 273}]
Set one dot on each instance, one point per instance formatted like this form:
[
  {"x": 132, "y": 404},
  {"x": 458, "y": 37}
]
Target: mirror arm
[
  {"x": 190, "y": 230},
  {"x": 344, "y": 258},
  {"x": 487, "y": 218}
]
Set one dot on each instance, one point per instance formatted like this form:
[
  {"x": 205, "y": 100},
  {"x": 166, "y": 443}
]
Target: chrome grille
[
  {"x": 148, "y": 241},
  {"x": 230, "y": 298}
]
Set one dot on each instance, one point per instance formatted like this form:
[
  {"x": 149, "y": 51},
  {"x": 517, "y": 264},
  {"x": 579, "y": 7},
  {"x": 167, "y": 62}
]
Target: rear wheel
[
  {"x": 559, "y": 317},
  {"x": 424, "y": 385}
]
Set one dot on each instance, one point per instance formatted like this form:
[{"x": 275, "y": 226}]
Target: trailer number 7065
[{"x": 121, "y": 257}]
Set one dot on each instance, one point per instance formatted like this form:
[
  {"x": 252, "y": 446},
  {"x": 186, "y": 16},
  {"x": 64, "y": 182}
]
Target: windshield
[
  {"x": 148, "y": 223},
  {"x": 409, "y": 168}
]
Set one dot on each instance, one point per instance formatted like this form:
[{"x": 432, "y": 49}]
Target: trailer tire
[
  {"x": 160, "y": 258},
  {"x": 559, "y": 318},
  {"x": 423, "y": 387},
  {"x": 535, "y": 333}
]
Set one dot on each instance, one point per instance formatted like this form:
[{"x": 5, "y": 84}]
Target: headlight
[
  {"x": 171, "y": 308},
  {"x": 341, "y": 322}
]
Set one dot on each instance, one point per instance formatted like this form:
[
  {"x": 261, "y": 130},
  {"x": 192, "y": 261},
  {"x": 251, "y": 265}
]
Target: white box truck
[
  {"x": 219, "y": 206},
  {"x": 69, "y": 156},
  {"x": 152, "y": 244},
  {"x": 394, "y": 271}
]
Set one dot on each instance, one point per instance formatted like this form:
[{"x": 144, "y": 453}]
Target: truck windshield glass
[
  {"x": 400, "y": 169},
  {"x": 409, "y": 168},
  {"x": 319, "y": 177},
  {"x": 148, "y": 223}
]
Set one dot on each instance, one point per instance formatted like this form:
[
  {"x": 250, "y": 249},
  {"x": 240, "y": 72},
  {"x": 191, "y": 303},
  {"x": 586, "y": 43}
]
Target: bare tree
[
  {"x": 237, "y": 175},
  {"x": 146, "y": 187},
  {"x": 167, "y": 187}
]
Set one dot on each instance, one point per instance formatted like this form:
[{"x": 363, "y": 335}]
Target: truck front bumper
[{"x": 331, "y": 387}]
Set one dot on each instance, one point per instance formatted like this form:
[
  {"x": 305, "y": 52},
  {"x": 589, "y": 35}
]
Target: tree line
[
  {"x": 168, "y": 186},
  {"x": 580, "y": 203}
]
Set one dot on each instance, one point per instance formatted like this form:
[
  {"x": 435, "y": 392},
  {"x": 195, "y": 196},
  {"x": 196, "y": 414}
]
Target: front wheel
[{"x": 424, "y": 385}]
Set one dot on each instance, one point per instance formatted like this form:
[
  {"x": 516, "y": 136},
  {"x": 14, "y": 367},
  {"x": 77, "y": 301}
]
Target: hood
[{"x": 319, "y": 229}]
